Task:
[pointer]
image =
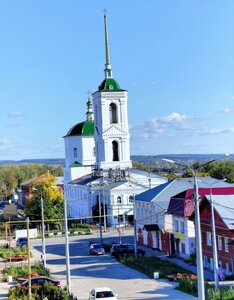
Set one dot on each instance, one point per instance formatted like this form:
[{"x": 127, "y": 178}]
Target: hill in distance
[{"x": 190, "y": 158}]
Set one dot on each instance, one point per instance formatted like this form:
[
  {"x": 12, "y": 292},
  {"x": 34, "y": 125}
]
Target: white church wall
[
  {"x": 70, "y": 144},
  {"x": 88, "y": 148}
]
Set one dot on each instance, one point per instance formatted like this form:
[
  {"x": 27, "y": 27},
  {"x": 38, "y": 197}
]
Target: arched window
[
  {"x": 130, "y": 199},
  {"x": 115, "y": 151},
  {"x": 119, "y": 200},
  {"x": 113, "y": 113},
  {"x": 75, "y": 152}
]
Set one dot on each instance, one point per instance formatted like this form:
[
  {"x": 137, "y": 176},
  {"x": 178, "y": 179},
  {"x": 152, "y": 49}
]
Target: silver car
[{"x": 96, "y": 249}]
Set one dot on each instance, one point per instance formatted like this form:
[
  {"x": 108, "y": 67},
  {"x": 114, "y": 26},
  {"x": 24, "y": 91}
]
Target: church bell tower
[{"x": 111, "y": 130}]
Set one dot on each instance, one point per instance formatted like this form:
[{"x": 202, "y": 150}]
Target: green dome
[
  {"x": 85, "y": 128},
  {"x": 109, "y": 85}
]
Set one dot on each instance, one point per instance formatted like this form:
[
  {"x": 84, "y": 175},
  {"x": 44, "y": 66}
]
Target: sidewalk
[{"x": 4, "y": 286}]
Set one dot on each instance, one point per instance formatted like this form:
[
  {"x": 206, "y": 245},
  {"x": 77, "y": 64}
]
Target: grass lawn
[{"x": 149, "y": 265}]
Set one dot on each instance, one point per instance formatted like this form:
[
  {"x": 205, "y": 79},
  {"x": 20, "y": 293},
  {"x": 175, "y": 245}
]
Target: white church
[{"x": 99, "y": 179}]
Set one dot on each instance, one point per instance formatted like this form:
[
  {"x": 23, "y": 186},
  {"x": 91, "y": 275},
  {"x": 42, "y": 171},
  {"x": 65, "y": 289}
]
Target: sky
[{"x": 175, "y": 58}]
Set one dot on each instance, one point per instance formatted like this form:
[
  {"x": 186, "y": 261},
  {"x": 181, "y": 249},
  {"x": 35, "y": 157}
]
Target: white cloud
[
  {"x": 175, "y": 117},
  {"x": 16, "y": 114},
  {"x": 226, "y": 110},
  {"x": 214, "y": 131},
  {"x": 4, "y": 143}
]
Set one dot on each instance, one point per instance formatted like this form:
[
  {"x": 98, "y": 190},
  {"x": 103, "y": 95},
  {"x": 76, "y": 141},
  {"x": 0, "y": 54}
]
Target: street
[{"x": 89, "y": 271}]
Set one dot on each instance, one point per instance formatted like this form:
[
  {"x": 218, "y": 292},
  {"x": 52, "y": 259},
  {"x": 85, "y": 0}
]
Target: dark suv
[
  {"x": 22, "y": 241},
  {"x": 120, "y": 250}
]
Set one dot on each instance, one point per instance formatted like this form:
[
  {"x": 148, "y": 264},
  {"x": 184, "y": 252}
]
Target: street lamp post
[
  {"x": 134, "y": 221},
  {"x": 134, "y": 224},
  {"x": 215, "y": 254},
  {"x": 100, "y": 217},
  {"x": 43, "y": 229},
  {"x": 104, "y": 209},
  {"x": 43, "y": 232},
  {"x": 68, "y": 271},
  {"x": 200, "y": 274}
]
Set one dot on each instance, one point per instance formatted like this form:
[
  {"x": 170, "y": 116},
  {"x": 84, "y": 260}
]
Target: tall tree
[{"x": 52, "y": 197}]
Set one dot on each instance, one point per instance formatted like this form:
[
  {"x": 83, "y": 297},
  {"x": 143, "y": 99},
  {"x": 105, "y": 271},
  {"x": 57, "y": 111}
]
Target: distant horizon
[{"x": 134, "y": 155}]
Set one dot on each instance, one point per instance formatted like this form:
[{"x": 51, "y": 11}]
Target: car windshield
[
  {"x": 97, "y": 246},
  {"x": 104, "y": 294}
]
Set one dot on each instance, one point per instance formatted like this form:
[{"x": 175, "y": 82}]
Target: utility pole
[
  {"x": 215, "y": 254},
  {"x": 134, "y": 223},
  {"x": 119, "y": 229},
  {"x": 43, "y": 232},
  {"x": 67, "y": 248},
  {"x": 42, "y": 226},
  {"x": 9, "y": 235},
  {"x": 104, "y": 208},
  {"x": 100, "y": 217},
  {"x": 200, "y": 271},
  {"x": 29, "y": 263}
]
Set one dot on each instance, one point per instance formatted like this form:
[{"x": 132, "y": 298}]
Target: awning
[{"x": 151, "y": 227}]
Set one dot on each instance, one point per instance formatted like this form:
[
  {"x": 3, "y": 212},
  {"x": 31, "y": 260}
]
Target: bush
[
  {"x": 188, "y": 286},
  {"x": 22, "y": 271},
  {"x": 5, "y": 252},
  {"x": 149, "y": 265},
  {"x": 48, "y": 291}
]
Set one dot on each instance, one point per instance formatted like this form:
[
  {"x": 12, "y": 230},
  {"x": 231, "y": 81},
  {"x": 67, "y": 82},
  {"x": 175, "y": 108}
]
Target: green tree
[
  {"x": 221, "y": 170},
  {"x": 11, "y": 176},
  {"x": 52, "y": 197}
]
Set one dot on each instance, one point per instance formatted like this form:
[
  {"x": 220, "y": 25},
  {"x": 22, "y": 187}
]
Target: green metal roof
[
  {"x": 76, "y": 164},
  {"x": 85, "y": 128},
  {"x": 109, "y": 85}
]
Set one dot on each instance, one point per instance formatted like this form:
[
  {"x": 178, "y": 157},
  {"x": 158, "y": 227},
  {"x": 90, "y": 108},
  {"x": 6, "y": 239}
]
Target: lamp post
[
  {"x": 134, "y": 221},
  {"x": 68, "y": 271},
  {"x": 29, "y": 263},
  {"x": 104, "y": 208},
  {"x": 43, "y": 229},
  {"x": 200, "y": 274},
  {"x": 215, "y": 254},
  {"x": 100, "y": 217}
]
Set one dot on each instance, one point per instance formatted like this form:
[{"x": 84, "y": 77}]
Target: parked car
[
  {"x": 96, "y": 249},
  {"x": 102, "y": 293},
  {"x": 22, "y": 241},
  {"x": 39, "y": 281},
  {"x": 119, "y": 250}
]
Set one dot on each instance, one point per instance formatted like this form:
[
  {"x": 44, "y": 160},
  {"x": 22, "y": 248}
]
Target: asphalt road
[{"x": 89, "y": 271}]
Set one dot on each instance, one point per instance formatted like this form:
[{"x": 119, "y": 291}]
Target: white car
[{"x": 102, "y": 293}]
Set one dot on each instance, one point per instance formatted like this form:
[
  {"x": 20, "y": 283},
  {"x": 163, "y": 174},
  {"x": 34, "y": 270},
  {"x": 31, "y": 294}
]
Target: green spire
[{"x": 108, "y": 69}]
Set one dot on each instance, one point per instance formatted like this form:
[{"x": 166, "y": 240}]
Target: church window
[
  {"x": 130, "y": 199},
  {"x": 113, "y": 113},
  {"x": 94, "y": 151},
  {"x": 119, "y": 200},
  {"x": 115, "y": 151},
  {"x": 75, "y": 152}
]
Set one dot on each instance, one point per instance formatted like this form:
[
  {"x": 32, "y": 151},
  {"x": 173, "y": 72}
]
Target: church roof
[
  {"x": 85, "y": 128},
  {"x": 109, "y": 85}
]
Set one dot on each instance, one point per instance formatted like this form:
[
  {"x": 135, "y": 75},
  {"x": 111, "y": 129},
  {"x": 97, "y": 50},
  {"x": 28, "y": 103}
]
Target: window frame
[{"x": 208, "y": 239}]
